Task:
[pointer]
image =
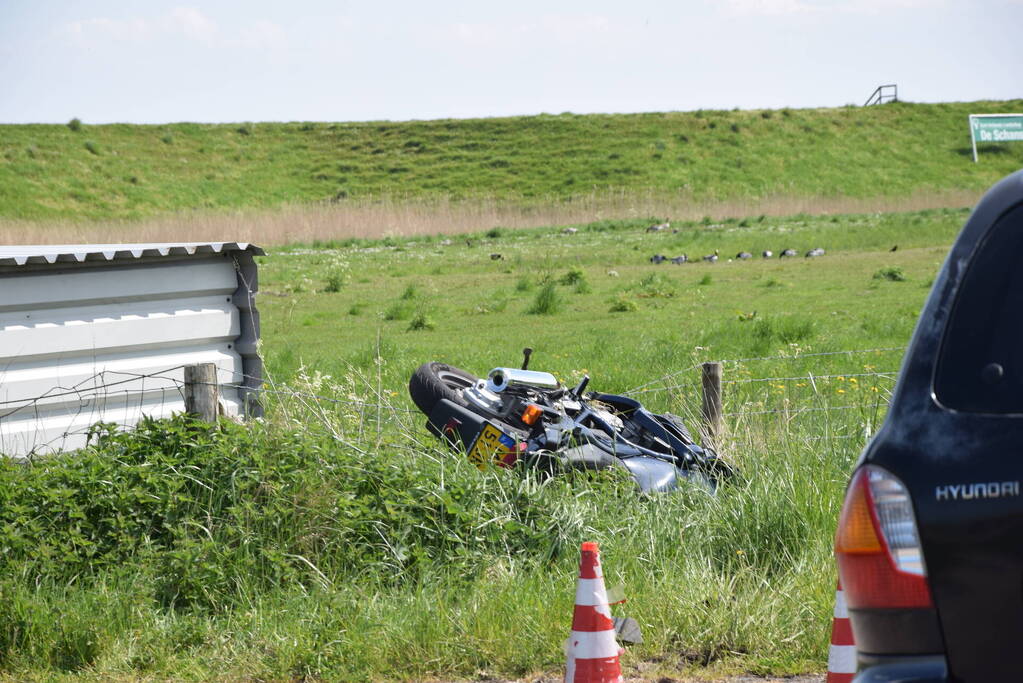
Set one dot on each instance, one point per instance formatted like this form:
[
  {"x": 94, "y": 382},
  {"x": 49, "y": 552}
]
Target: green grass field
[
  {"x": 478, "y": 307},
  {"x": 337, "y": 540},
  {"x": 133, "y": 171}
]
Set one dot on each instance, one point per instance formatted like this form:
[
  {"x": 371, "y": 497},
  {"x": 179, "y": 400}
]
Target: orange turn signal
[
  {"x": 856, "y": 533},
  {"x": 531, "y": 414}
]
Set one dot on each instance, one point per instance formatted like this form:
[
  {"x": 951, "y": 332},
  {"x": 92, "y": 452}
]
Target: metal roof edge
[{"x": 20, "y": 255}]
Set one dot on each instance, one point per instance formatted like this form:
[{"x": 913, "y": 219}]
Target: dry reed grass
[{"x": 382, "y": 218}]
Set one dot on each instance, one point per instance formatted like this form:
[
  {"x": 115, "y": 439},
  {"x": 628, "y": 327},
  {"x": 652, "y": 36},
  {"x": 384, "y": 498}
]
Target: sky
[{"x": 159, "y": 61}]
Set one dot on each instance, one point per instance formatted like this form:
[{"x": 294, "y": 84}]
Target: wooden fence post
[
  {"x": 711, "y": 402},
  {"x": 201, "y": 391}
]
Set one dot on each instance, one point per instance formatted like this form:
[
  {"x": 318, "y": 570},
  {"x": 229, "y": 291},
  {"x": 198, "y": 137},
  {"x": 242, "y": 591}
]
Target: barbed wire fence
[
  {"x": 358, "y": 411},
  {"x": 837, "y": 395},
  {"x": 122, "y": 398}
]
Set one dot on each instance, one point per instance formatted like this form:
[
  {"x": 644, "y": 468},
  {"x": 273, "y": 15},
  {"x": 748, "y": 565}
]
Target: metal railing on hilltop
[{"x": 884, "y": 93}]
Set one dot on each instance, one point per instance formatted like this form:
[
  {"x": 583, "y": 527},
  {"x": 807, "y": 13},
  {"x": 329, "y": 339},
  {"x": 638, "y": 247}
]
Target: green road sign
[{"x": 995, "y": 128}]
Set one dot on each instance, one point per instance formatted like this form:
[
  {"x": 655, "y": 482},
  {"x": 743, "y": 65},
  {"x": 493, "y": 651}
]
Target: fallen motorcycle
[{"x": 520, "y": 415}]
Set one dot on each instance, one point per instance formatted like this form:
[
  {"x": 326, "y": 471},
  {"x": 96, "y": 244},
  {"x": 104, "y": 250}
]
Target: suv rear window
[{"x": 980, "y": 367}]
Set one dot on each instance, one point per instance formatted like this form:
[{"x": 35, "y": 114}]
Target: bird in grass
[
  {"x": 679, "y": 260},
  {"x": 658, "y": 258},
  {"x": 711, "y": 258},
  {"x": 815, "y": 252},
  {"x": 895, "y": 248},
  {"x": 767, "y": 253},
  {"x": 788, "y": 252},
  {"x": 657, "y": 227},
  {"x": 743, "y": 255}
]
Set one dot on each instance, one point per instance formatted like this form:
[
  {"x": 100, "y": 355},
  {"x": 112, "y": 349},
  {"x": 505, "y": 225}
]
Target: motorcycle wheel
[
  {"x": 677, "y": 423},
  {"x": 433, "y": 381}
]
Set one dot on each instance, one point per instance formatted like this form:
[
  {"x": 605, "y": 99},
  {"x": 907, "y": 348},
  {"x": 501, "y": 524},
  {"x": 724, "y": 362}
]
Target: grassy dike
[
  {"x": 136, "y": 171},
  {"x": 336, "y": 540}
]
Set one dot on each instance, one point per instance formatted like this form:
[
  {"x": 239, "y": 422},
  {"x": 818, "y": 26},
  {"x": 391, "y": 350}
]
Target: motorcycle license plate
[{"x": 492, "y": 446}]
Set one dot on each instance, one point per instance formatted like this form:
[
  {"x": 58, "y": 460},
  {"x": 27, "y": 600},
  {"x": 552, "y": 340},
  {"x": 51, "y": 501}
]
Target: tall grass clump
[
  {"x": 421, "y": 321},
  {"x": 547, "y": 300},
  {"x": 655, "y": 286},
  {"x": 335, "y": 282},
  {"x": 495, "y": 302},
  {"x": 573, "y": 276},
  {"x": 783, "y": 329},
  {"x": 890, "y": 273},
  {"x": 622, "y": 304},
  {"x": 398, "y": 310}
]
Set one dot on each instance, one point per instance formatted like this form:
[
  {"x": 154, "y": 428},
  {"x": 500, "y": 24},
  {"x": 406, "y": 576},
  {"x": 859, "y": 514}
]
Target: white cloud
[
  {"x": 477, "y": 35},
  {"x": 556, "y": 28},
  {"x": 760, "y": 7},
  {"x": 821, "y": 7},
  {"x": 570, "y": 28},
  {"x": 181, "y": 23},
  {"x": 262, "y": 35},
  {"x": 84, "y": 33},
  {"x": 192, "y": 23}
]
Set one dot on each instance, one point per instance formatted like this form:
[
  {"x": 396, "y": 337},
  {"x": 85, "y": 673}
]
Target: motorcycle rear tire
[
  {"x": 676, "y": 421},
  {"x": 434, "y": 381}
]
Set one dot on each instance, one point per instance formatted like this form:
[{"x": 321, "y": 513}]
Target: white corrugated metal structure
[{"x": 101, "y": 333}]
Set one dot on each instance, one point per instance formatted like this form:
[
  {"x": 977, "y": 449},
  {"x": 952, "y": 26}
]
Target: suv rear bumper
[{"x": 914, "y": 669}]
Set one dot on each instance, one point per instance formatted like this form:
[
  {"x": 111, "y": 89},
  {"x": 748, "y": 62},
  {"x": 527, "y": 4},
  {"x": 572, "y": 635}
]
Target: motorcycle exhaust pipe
[{"x": 502, "y": 378}]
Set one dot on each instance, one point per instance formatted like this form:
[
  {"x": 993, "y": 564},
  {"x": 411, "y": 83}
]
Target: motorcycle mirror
[
  {"x": 526, "y": 352},
  {"x": 627, "y": 629}
]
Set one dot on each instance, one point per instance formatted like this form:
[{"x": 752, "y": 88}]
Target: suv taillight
[{"x": 877, "y": 546}]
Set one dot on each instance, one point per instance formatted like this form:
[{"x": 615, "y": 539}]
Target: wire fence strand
[
  {"x": 886, "y": 374},
  {"x": 816, "y": 354}
]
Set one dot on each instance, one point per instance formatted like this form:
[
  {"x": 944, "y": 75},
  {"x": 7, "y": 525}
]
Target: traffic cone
[
  {"x": 591, "y": 649},
  {"x": 842, "y": 654}
]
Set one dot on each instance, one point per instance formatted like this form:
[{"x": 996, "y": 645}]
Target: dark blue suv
[{"x": 930, "y": 540}]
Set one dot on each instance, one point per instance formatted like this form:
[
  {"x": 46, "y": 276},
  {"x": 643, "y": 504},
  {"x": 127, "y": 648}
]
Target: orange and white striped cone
[
  {"x": 592, "y": 650},
  {"x": 842, "y": 654}
]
